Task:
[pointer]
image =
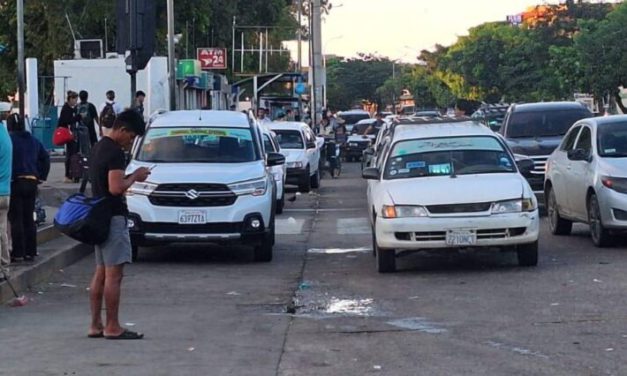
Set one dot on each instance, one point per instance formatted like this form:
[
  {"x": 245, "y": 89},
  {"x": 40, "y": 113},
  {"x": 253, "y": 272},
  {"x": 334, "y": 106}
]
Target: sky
[{"x": 400, "y": 29}]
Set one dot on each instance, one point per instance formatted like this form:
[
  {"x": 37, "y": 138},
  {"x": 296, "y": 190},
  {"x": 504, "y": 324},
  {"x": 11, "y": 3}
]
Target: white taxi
[{"x": 446, "y": 186}]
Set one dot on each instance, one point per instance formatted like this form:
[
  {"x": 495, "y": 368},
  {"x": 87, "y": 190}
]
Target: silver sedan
[{"x": 586, "y": 179}]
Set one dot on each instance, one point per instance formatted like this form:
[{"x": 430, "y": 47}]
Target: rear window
[
  {"x": 543, "y": 123},
  {"x": 289, "y": 139},
  {"x": 353, "y": 118}
]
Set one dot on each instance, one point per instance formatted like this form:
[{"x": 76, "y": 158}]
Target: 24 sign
[{"x": 212, "y": 58}]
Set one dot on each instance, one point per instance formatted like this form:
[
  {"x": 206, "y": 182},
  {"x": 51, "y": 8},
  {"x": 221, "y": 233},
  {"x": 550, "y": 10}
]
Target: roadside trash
[
  {"x": 554, "y": 304},
  {"x": 130, "y": 324},
  {"x": 414, "y": 297},
  {"x": 19, "y": 300},
  {"x": 234, "y": 293},
  {"x": 298, "y": 193},
  {"x": 68, "y": 285},
  {"x": 40, "y": 292},
  {"x": 191, "y": 349},
  {"x": 377, "y": 367},
  {"x": 61, "y": 270},
  {"x": 304, "y": 285},
  {"x": 609, "y": 349},
  {"x": 597, "y": 280}
]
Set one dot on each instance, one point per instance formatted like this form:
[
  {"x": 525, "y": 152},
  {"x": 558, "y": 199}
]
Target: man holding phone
[{"x": 106, "y": 172}]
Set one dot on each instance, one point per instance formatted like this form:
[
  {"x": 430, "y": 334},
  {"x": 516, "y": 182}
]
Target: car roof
[
  {"x": 544, "y": 106},
  {"x": 366, "y": 121},
  {"x": 290, "y": 125},
  {"x": 441, "y": 129},
  {"x": 187, "y": 118},
  {"x": 604, "y": 120},
  {"x": 354, "y": 112}
]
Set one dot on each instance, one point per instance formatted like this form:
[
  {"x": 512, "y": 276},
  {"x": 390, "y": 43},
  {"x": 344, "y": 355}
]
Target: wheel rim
[
  {"x": 552, "y": 209},
  {"x": 594, "y": 219}
]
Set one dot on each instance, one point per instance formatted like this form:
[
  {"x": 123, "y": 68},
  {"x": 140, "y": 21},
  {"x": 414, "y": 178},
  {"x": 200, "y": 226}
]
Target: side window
[
  {"x": 383, "y": 155},
  {"x": 585, "y": 140},
  {"x": 569, "y": 140},
  {"x": 267, "y": 144},
  {"x": 308, "y": 136}
]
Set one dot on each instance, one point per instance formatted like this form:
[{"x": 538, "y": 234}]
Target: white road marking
[
  {"x": 336, "y": 251},
  {"x": 310, "y": 210},
  {"x": 289, "y": 226},
  {"x": 353, "y": 226}
]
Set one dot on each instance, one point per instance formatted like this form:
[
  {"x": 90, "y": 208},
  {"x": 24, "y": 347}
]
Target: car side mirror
[
  {"x": 370, "y": 173},
  {"x": 369, "y": 151},
  {"x": 275, "y": 159},
  {"x": 525, "y": 166},
  {"x": 311, "y": 145},
  {"x": 578, "y": 155}
]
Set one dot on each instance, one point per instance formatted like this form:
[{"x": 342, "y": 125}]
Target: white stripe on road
[
  {"x": 336, "y": 251},
  {"x": 308, "y": 210},
  {"x": 289, "y": 226},
  {"x": 353, "y": 226}
]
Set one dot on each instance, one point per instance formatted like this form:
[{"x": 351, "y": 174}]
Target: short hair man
[
  {"x": 140, "y": 97},
  {"x": 108, "y": 179},
  {"x": 107, "y": 112}
]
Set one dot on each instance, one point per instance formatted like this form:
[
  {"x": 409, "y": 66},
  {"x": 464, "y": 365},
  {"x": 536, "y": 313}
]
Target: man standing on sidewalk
[
  {"x": 6, "y": 165},
  {"x": 107, "y": 175}
]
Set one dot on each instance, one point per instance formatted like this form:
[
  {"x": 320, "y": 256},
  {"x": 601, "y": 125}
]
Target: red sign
[{"x": 212, "y": 58}]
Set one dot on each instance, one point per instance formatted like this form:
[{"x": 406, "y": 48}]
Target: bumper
[
  {"x": 536, "y": 181},
  {"x": 429, "y": 233},
  {"x": 613, "y": 208},
  {"x": 151, "y": 224},
  {"x": 354, "y": 151},
  {"x": 296, "y": 175}
]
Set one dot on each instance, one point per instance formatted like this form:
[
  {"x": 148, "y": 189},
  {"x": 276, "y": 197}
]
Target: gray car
[{"x": 586, "y": 179}]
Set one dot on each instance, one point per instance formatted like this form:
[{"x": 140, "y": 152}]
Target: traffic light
[{"x": 136, "y": 25}]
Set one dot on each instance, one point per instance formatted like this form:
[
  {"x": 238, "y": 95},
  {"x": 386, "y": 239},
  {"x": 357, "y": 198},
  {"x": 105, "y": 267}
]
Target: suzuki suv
[{"x": 209, "y": 182}]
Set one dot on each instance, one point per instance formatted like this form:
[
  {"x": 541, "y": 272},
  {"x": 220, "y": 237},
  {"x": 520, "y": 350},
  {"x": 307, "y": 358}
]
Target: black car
[{"x": 534, "y": 130}]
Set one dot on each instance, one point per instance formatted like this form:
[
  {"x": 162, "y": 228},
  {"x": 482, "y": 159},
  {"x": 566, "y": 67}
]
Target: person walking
[
  {"x": 68, "y": 119},
  {"x": 88, "y": 114},
  {"x": 107, "y": 112},
  {"x": 108, "y": 179},
  {"x": 30, "y": 166},
  {"x": 140, "y": 97},
  {"x": 6, "y": 165}
]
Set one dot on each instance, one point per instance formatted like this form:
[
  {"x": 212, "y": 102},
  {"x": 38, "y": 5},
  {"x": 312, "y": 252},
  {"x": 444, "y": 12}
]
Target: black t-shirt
[{"x": 106, "y": 156}]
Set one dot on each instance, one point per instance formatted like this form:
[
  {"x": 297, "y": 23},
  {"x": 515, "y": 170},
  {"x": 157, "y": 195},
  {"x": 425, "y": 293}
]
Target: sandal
[
  {"x": 96, "y": 335},
  {"x": 126, "y": 334}
]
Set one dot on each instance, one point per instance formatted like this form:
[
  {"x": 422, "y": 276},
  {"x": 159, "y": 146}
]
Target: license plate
[
  {"x": 192, "y": 217},
  {"x": 461, "y": 237}
]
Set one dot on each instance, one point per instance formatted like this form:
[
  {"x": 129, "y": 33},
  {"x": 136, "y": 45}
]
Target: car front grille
[
  {"x": 539, "y": 162},
  {"x": 434, "y": 236},
  {"x": 208, "y": 228},
  {"x": 460, "y": 208},
  {"x": 192, "y": 195}
]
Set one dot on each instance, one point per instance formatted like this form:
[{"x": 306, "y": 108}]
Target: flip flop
[
  {"x": 127, "y": 334},
  {"x": 96, "y": 335}
]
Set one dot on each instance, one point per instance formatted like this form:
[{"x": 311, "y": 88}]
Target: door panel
[{"x": 578, "y": 177}]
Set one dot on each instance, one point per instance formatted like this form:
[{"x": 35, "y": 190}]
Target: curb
[{"x": 54, "y": 255}]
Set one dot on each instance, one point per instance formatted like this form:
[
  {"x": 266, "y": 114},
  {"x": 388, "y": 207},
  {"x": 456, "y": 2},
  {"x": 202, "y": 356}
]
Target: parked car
[
  {"x": 209, "y": 182},
  {"x": 433, "y": 187},
  {"x": 352, "y": 117},
  {"x": 302, "y": 151},
  {"x": 534, "y": 130},
  {"x": 586, "y": 179},
  {"x": 271, "y": 145}
]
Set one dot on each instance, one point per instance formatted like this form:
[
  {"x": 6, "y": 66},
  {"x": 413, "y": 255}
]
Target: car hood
[
  {"x": 534, "y": 146},
  {"x": 224, "y": 173},
  {"x": 444, "y": 190},
  {"x": 293, "y": 155},
  {"x": 616, "y": 167}
]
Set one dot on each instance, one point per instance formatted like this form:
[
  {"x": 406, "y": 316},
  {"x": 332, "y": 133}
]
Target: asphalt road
[{"x": 320, "y": 308}]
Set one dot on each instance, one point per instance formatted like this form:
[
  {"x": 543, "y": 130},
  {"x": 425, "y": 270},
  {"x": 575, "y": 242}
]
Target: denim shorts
[{"x": 116, "y": 250}]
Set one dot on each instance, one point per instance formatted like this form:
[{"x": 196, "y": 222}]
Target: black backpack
[
  {"x": 83, "y": 110},
  {"x": 107, "y": 116}
]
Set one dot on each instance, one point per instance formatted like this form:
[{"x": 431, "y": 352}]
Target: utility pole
[
  {"x": 20, "y": 55},
  {"x": 316, "y": 35},
  {"x": 300, "y": 36},
  {"x": 171, "y": 59}
]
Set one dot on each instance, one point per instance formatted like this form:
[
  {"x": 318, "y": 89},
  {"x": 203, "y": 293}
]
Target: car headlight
[
  {"x": 391, "y": 211},
  {"x": 353, "y": 144},
  {"x": 514, "y": 206},
  {"x": 295, "y": 164},
  {"x": 256, "y": 187},
  {"x": 617, "y": 184},
  {"x": 144, "y": 189},
  {"x": 520, "y": 157}
]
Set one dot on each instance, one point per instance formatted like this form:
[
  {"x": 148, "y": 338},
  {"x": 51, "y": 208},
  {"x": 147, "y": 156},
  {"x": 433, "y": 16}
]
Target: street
[{"x": 320, "y": 307}]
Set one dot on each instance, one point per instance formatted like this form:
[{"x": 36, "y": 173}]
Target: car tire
[
  {"x": 134, "y": 252},
  {"x": 558, "y": 225},
  {"x": 528, "y": 254},
  {"x": 305, "y": 184},
  {"x": 601, "y": 236},
  {"x": 315, "y": 180},
  {"x": 386, "y": 258},
  {"x": 263, "y": 251},
  {"x": 280, "y": 204}
]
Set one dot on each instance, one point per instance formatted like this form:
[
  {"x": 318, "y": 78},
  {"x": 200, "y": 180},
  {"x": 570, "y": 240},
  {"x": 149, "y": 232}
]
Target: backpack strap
[{"x": 84, "y": 181}]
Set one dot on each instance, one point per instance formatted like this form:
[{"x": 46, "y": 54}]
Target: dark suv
[{"x": 534, "y": 130}]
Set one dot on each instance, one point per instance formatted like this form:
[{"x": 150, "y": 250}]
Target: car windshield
[
  {"x": 289, "y": 139},
  {"x": 448, "y": 156},
  {"x": 197, "y": 145},
  {"x": 353, "y": 118},
  {"x": 612, "y": 140},
  {"x": 529, "y": 124}
]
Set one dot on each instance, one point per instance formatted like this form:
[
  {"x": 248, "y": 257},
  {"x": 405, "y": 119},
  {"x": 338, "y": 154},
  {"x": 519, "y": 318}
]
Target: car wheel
[
  {"x": 386, "y": 258},
  {"x": 280, "y": 204},
  {"x": 601, "y": 236},
  {"x": 559, "y": 225},
  {"x": 134, "y": 252},
  {"x": 263, "y": 252},
  {"x": 305, "y": 184},
  {"x": 315, "y": 180},
  {"x": 528, "y": 254}
]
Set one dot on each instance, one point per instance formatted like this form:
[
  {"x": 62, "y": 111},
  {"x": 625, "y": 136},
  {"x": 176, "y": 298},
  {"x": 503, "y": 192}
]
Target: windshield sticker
[
  {"x": 417, "y": 164},
  {"x": 404, "y": 171},
  {"x": 440, "y": 169},
  {"x": 393, "y": 172},
  {"x": 191, "y": 135},
  {"x": 609, "y": 151}
]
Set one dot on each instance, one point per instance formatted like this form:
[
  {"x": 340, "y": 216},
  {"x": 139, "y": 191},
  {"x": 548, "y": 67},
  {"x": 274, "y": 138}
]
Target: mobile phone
[{"x": 152, "y": 166}]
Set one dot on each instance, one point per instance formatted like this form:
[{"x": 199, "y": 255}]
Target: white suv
[{"x": 209, "y": 182}]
